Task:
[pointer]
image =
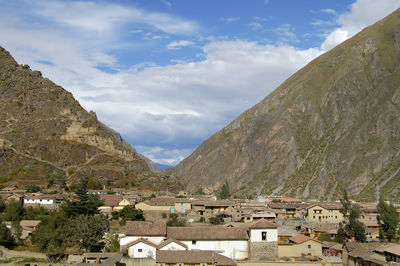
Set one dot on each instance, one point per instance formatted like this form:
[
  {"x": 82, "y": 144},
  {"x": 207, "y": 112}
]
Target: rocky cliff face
[
  {"x": 47, "y": 137},
  {"x": 334, "y": 124}
]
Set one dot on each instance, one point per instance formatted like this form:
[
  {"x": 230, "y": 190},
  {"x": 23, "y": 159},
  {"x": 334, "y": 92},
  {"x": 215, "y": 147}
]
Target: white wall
[
  {"x": 127, "y": 239},
  {"x": 172, "y": 246},
  {"x": 234, "y": 249},
  {"x": 38, "y": 201},
  {"x": 147, "y": 251},
  {"x": 255, "y": 235}
]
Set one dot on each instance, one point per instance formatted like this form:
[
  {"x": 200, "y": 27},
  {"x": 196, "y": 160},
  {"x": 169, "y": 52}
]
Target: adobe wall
[{"x": 263, "y": 250}]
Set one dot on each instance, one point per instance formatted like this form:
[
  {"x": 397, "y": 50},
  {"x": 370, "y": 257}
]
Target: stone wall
[{"x": 263, "y": 250}]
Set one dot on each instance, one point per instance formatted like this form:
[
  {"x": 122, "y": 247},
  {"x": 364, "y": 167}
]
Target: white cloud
[
  {"x": 362, "y": 13},
  {"x": 229, "y": 20},
  {"x": 286, "y": 33},
  {"x": 329, "y": 11},
  {"x": 255, "y": 26},
  {"x": 175, "y": 45}
]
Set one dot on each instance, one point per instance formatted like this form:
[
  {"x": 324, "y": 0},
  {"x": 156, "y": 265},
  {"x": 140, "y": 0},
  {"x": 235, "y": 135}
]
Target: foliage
[
  {"x": 13, "y": 211},
  {"x": 351, "y": 227},
  {"x": 115, "y": 215},
  {"x": 174, "y": 220},
  {"x": 85, "y": 232},
  {"x": 388, "y": 220},
  {"x": 130, "y": 213},
  {"x": 163, "y": 215},
  {"x": 35, "y": 213},
  {"x": 6, "y": 238},
  {"x": 16, "y": 230},
  {"x": 32, "y": 188},
  {"x": 325, "y": 237},
  {"x": 225, "y": 192},
  {"x": 111, "y": 243},
  {"x": 216, "y": 220},
  {"x": 199, "y": 191},
  {"x": 2, "y": 205},
  {"x": 84, "y": 204}
]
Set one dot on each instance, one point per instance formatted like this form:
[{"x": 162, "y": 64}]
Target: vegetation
[
  {"x": 130, "y": 213},
  {"x": 174, "y": 220},
  {"x": 351, "y": 228},
  {"x": 216, "y": 220},
  {"x": 224, "y": 192},
  {"x": 388, "y": 220}
]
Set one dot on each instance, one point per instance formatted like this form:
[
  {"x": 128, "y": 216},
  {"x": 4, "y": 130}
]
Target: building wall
[
  {"x": 263, "y": 250},
  {"x": 146, "y": 207},
  {"x": 181, "y": 207},
  {"x": 320, "y": 214},
  {"x": 234, "y": 249},
  {"x": 38, "y": 201},
  {"x": 127, "y": 239},
  {"x": 256, "y": 235},
  {"x": 296, "y": 250},
  {"x": 147, "y": 251}
]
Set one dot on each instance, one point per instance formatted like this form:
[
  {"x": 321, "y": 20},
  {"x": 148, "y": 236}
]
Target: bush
[
  {"x": 174, "y": 220},
  {"x": 216, "y": 220}
]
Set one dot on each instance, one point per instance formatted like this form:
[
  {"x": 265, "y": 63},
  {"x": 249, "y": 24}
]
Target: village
[{"x": 183, "y": 229}]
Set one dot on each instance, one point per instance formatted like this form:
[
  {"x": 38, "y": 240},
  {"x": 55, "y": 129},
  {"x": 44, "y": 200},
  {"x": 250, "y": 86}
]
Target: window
[
  {"x": 309, "y": 246},
  {"x": 263, "y": 235},
  {"x": 193, "y": 242},
  {"x": 139, "y": 250}
]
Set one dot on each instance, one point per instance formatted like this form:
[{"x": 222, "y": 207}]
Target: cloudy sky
[{"x": 167, "y": 74}]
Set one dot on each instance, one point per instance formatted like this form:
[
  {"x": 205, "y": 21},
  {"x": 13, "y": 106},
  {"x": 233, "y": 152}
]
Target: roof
[
  {"x": 350, "y": 246},
  {"x": 192, "y": 257},
  {"x": 170, "y": 240},
  {"x": 29, "y": 223},
  {"x": 207, "y": 233},
  {"x": 328, "y": 244},
  {"x": 327, "y": 205},
  {"x": 145, "y": 228},
  {"x": 300, "y": 239},
  {"x": 111, "y": 200},
  {"x": 284, "y": 232},
  {"x": 213, "y": 203},
  {"x": 141, "y": 240},
  {"x": 263, "y": 224},
  {"x": 262, "y": 215},
  {"x": 392, "y": 249}
]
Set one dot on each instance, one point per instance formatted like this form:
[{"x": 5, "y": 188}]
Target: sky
[{"x": 168, "y": 74}]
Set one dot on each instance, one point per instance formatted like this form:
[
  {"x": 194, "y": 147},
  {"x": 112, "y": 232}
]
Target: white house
[
  {"x": 263, "y": 231},
  {"x": 142, "y": 248},
  {"x": 154, "y": 232},
  {"x": 172, "y": 244},
  {"x": 232, "y": 242}
]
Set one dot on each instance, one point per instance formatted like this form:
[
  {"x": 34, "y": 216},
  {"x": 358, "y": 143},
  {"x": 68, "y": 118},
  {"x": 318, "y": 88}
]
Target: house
[
  {"x": 27, "y": 226},
  {"x": 192, "y": 216},
  {"x": 391, "y": 252},
  {"x": 263, "y": 240},
  {"x": 172, "y": 244},
  {"x": 223, "y": 208},
  {"x": 113, "y": 203},
  {"x": 287, "y": 210},
  {"x": 165, "y": 204},
  {"x": 354, "y": 253},
  {"x": 324, "y": 213},
  {"x": 9, "y": 196},
  {"x": 47, "y": 201},
  {"x": 154, "y": 232},
  {"x": 192, "y": 257},
  {"x": 331, "y": 249},
  {"x": 231, "y": 241},
  {"x": 300, "y": 245},
  {"x": 141, "y": 248},
  {"x": 284, "y": 235}
]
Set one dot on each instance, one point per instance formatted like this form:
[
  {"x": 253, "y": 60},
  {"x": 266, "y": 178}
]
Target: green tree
[
  {"x": 351, "y": 227},
  {"x": 85, "y": 232},
  {"x": 174, "y": 220},
  {"x": 388, "y": 220},
  {"x": 111, "y": 243},
  {"x": 225, "y": 192},
  {"x": 13, "y": 211},
  {"x": 6, "y": 238},
  {"x": 32, "y": 188},
  {"x": 216, "y": 220},
  {"x": 130, "y": 213},
  {"x": 84, "y": 203},
  {"x": 16, "y": 230},
  {"x": 2, "y": 205},
  {"x": 199, "y": 191}
]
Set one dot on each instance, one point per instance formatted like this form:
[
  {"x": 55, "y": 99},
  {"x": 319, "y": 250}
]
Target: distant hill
[
  {"x": 163, "y": 166},
  {"x": 334, "y": 124},
  {"x": 47, "y": 137}
]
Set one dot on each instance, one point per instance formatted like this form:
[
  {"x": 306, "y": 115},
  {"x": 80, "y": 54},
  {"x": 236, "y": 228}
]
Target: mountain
[
  {"x": 334, "y": 124},
  {"x": 46, "y": 137}
]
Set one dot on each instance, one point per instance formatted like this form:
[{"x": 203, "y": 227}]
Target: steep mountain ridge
[
  {"x": 47, "y": 137},
  {"x": 334, "y": 124}
]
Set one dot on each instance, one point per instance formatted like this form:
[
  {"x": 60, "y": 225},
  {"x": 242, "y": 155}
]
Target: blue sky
[{"x": 168, "y": 74}]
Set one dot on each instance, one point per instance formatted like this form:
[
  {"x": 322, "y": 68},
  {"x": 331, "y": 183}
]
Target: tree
[
  {"x": 84, "y": 203},
  {"x": 388, "y": 220},
  {"x": 130, "y": 213},
  {"x": 13, "y": 211},
  {"x": 224, "y": 193},
  {"x": 111, "y": 243},
  {"x": 85, "y": 232},
  {"x": 216, "y": 220},
  {"x": 174, "y": 220},
  {"x": 199, "y": 191},
  {"x": 351, "y": 227},
  {"x": 6, "y": 238}
]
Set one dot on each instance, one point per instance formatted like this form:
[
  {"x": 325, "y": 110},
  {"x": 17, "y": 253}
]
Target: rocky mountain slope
[
  {"x": 334, "y": 124},
  {"x": 47, "y": 137}
]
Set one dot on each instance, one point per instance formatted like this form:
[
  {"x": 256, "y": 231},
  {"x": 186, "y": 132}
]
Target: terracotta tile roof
[
  {"x": 170, "y": 240},
  {"x": 111, "y": 200},
  {"x": 350, "y": 246},
  {"x": 207, "y": 233},
  {"x": 299, "y": 239},
  {"x": 141, "y": 240},
  {"x": 263, "y": 224},
  {"x": 213, "y": 203},
  {"x": 283, "y": 232},
  {"x": 328, "y": 244},
  {"x": 145, "y": 228},
  {"x": 193, "y": 257}
]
